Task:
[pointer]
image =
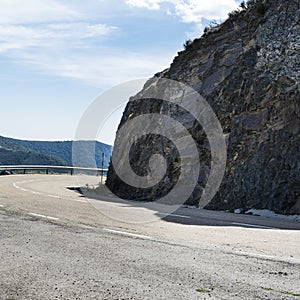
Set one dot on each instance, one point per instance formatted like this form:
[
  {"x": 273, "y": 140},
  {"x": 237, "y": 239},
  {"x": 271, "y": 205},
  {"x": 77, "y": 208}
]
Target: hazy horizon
[{"x": 49, "y": 140}]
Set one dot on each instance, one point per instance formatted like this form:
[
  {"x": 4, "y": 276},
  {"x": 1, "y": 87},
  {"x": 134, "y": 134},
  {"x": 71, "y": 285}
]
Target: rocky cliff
[{"x": 247, "y": 69}]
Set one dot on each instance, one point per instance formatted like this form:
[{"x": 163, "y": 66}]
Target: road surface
[{"x": 57, "y": 244}]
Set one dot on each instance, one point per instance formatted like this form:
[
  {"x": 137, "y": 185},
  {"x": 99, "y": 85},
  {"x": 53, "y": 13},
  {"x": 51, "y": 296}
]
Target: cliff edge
[{"x": 247, "y": 69}]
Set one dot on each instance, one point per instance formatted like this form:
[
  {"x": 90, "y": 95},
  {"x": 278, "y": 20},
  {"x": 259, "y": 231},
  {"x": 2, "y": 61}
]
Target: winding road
[{"x": 58, "y": 244}]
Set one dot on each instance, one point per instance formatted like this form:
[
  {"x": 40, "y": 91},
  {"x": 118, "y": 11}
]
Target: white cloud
[
  {"x": 35, "y": 11},
  {"x": 149, "y": 4},
  {"x": 196, "y": 12},
  {"x": 190, "y": 11}
]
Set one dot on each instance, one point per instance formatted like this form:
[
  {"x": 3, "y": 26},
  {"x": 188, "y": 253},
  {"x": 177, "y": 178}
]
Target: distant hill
[
  {"x": 19, "y": 152},
  {"x": 12, "y": 157}
]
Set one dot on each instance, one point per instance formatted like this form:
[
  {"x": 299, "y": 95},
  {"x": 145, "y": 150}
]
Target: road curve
[{"x": 57, "y": 243}]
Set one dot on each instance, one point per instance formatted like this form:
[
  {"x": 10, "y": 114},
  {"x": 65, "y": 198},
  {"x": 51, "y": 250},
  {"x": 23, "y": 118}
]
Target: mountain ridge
[{"x": 17, "y": 151}]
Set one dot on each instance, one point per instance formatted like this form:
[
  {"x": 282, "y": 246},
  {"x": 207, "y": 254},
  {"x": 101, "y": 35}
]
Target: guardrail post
[
  {"x": 102, "y": 172},
  {"x": 72, "y": 171}
]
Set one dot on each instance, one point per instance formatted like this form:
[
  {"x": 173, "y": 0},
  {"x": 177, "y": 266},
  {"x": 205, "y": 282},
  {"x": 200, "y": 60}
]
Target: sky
[{"x": 57, "y": 56}]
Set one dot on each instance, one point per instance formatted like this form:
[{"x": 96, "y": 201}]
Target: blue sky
[{"x": 57, "y": 56}]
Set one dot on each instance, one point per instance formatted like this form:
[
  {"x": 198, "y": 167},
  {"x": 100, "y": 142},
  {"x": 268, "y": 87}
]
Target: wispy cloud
[
  {"x": 18, "y": 37},
  {"x": 61, "y": 38},
  {"x": 67, "y": 50},
  {"x": 53, "y": 38},
  {"x": 100, "y": 71},
  {"x": 35, "y": 11}
]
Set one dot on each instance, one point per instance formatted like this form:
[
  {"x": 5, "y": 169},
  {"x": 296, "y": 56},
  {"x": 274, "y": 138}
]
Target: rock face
[{"x": 247, "y": 69}]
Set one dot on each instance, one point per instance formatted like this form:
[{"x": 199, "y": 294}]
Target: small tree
[
  {"x": 187, "y": 43},
  {"x": 243, "y": 5}
]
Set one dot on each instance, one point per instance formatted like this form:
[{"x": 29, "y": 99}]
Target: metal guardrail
[{"x": 24, "y": 168}]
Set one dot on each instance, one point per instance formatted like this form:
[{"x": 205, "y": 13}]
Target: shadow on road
[{"x": 144, "y": 212}]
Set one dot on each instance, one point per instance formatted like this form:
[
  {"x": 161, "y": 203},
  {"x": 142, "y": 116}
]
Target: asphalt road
[{"x": 57, "y": 244}]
